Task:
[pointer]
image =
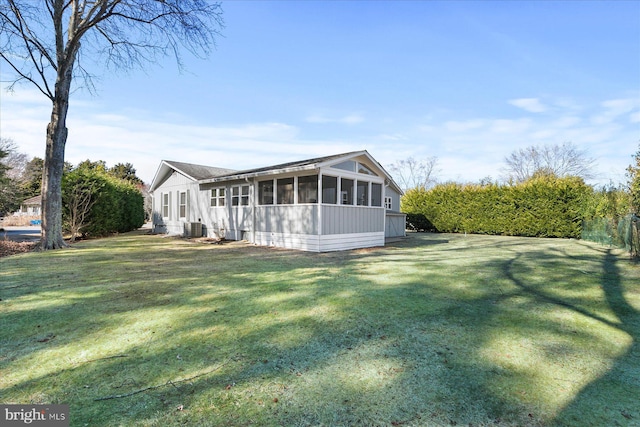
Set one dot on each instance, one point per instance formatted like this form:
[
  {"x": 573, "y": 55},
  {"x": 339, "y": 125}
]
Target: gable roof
[
  {"x": 35, "y": 200},
  {"x": 190, "y": 170},
  {"x": 283, "y": 167},
  {"x": 208, "y": 174}
]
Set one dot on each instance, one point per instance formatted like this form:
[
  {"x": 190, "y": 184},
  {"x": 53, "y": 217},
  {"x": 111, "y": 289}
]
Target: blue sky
[{"x": 466, "y": 82}]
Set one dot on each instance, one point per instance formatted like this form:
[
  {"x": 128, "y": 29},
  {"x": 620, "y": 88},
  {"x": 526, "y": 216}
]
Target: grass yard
[{"x": 438, "y": 329}]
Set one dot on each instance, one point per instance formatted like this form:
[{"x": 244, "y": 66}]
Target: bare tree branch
[
  {"x": 45, "y": 42},
  {"x": 412, "y": 173},
  {"x": 559, "y": 160}
]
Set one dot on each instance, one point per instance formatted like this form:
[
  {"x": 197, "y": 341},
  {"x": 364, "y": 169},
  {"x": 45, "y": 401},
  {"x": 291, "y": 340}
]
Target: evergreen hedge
[
  {"x": 544, "y": 206},
  {"x": 118, "y": 205}
]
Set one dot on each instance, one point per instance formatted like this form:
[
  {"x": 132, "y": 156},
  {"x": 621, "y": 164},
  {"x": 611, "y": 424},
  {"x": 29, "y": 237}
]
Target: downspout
[
  {"x": 319, "y": 209},
  {"x": 384, "y": 196},
  {"x": 252, "y": 207}
]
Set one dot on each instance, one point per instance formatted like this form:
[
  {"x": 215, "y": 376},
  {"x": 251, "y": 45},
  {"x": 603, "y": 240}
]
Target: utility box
[{"x": 194, "y": 229}]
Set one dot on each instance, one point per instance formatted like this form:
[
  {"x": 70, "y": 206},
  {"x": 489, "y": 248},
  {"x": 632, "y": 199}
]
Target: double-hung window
[
  {"x": 165, "y": 205},
  {"x": 182, "y": 205},
  {"x": 217, "y": 197},
  {"x": 240, "y": 195}
]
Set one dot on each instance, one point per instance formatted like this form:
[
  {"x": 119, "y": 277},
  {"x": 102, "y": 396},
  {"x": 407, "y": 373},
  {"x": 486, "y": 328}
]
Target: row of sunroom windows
[{"x": 304, "y": 189}]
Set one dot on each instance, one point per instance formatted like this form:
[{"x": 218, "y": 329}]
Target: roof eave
[{"x": 250, "y": 175}]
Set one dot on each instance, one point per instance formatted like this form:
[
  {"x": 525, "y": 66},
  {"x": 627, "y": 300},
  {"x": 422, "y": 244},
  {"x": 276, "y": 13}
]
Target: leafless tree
[
  {"x": 559, "y": 160},
  {"x": 412, "y": 173},
  {"x": 15, "y": 161},
  {"x": 47, "y": 42},
  {"x": 79, "y": 201}
]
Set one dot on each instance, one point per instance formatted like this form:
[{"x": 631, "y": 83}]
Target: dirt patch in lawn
[{"x": 8, "y": 247}]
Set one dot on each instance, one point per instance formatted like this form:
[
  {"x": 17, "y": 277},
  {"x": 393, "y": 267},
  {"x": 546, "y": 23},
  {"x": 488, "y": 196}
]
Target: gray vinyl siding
[
  {"x": 173, "y": 186},
  {"x": 350, "y": 219},
  {"x": 230, "y": 222},
  {"x": 395, "y": 198},
  {"x": 291, "y": 219},
  {"x": 395, "y": 225}
]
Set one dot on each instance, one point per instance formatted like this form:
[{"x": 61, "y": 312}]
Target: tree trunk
[{"x": 54, "y": 166}]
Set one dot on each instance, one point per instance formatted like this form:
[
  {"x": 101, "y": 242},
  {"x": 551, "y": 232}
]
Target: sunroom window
[
  {"x": 308, "y": 189},
  {"x": 285, "y": 191},
  {"x": 362, "y": 193},
  {"x": 376, "y": 194},
  {"x": 265, "y": 192},
  {"x": 329, "y": 189},
  {"x": 346, "y": 191}
]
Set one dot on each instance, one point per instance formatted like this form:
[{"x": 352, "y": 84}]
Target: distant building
[{"x": 30, "y": 207}]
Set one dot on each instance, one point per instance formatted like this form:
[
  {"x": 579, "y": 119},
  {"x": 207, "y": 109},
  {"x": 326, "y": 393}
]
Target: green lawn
[{"x": 437, "y": 329}]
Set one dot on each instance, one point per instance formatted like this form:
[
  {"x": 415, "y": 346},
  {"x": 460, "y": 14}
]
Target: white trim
[
  {"x": 341, "y": 242},
  {"x": 304, "y": 242}
]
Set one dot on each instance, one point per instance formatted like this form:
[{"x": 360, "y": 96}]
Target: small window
[
  {"x": 365, "y": 170},
  {"x": 362, "y": 193},
  {"x": 285, "y": 191},
  {"x": 308, "y": 189},
  {"x": 376, "y": 194},
  {"x": 346, "y": 191},
  {"x": 388, "y": 203},
  {"x": 240, "y": 195},
  {"x": 182, "y": 205},
  {"x": 349, "y": 165},
  {"x": 235, "y": 196},
  {"x": 244, "y": 199},
  {"x": 217, "y": 197},
  {"x": 329, "y": 189},
  {"x": 265, "y": 192},
  {"x": 165, "y": 205}
]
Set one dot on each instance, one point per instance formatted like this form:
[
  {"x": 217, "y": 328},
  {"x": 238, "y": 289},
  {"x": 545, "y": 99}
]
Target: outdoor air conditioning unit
[{"x": 194, "y": 229}]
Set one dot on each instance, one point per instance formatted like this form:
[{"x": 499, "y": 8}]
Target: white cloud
[
  {"x": 468, "y": 149},
  {"x": 532, "y": 105},
  {"x": 613, "y": 109}
]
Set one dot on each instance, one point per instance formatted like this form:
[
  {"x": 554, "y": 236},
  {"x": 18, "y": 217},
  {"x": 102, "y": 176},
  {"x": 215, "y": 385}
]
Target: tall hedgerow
[
  {"x": 544, "y": 206},
  {"x": 116, "y": 205}
]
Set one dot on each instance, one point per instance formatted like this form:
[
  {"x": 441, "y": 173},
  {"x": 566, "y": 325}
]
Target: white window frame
[
  {"x": 218, "y": 196},
  {"x": 388, "y": 203},
  {"x": 165, "y": 205},
  {"x": 182, "y": 204},
  {"x": 240, "y": 195}
]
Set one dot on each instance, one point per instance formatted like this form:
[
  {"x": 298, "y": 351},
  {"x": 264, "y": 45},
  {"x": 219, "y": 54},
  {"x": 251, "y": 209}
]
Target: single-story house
[
  {"x": 331, "y": 203},
  {"x": 30, "y": 207}
]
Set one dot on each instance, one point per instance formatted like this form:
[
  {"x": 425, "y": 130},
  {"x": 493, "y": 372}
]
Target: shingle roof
[
  {"x": 199, "y": 172},
  {"x": 299, "y": 163},
  {"x": 35, "y": 200}
]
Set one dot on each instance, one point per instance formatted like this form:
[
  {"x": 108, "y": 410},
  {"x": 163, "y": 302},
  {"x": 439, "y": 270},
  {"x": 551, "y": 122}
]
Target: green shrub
[
  {"x": 544, "y": 206},
  {"x": 116, "y": 205}
]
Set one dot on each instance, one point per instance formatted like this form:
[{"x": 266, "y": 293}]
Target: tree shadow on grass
[
  {"x": 288, "y": 338},
  {"x": 612, "y": 399}
]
